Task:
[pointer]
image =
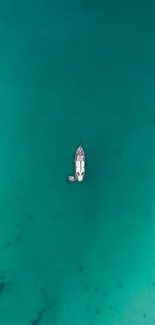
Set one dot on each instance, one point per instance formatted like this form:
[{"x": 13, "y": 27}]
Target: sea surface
[{"x": 84, "y": 253}]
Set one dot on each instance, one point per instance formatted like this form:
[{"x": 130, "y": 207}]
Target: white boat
[{"x": 79, "y": 165}]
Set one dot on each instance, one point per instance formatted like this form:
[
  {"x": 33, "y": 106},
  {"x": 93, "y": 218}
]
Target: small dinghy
[{"x": 79, "y": 166}]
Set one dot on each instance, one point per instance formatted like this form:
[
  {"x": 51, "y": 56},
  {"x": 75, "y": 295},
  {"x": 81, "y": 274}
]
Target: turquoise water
[{"x": 75, "y": 254}]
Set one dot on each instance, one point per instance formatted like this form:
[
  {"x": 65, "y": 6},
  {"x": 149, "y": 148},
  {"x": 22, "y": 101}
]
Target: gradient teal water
[{"x": 75, "y": 254}]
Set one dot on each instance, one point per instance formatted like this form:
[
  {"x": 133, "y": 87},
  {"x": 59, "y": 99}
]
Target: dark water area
[{"x": 77, "y": 253}]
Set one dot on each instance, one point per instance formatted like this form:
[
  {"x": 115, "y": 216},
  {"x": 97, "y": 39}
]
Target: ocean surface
[{"x": 84, "y": 253}]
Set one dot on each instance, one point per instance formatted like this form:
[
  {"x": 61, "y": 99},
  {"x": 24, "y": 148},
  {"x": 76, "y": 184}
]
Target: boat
[{"x": 79, "y": 165}]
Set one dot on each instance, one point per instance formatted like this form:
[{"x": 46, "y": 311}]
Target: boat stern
[{"x": 79, "y": 178}]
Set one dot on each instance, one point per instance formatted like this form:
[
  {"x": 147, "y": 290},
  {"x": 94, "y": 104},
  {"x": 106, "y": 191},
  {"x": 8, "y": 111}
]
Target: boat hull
[{"x": 80, "y": 164}]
